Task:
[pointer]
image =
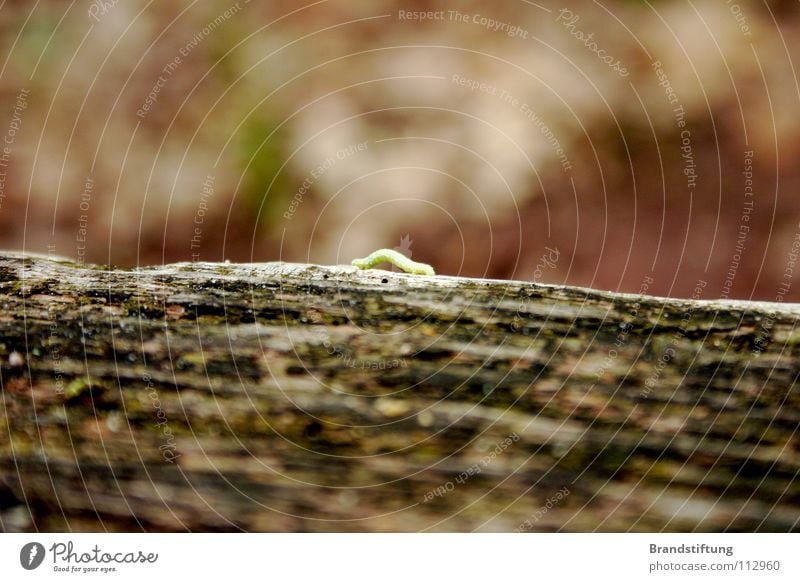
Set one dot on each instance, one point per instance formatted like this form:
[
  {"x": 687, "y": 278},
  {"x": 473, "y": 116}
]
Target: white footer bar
[{"x": 356, "y": 557}]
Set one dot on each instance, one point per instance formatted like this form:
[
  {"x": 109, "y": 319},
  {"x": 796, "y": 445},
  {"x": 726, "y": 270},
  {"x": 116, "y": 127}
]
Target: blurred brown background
[{"x": 512, "y": 139}]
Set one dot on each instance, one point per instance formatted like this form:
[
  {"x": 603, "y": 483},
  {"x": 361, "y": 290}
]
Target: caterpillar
[{"x": 399, "y": 260}]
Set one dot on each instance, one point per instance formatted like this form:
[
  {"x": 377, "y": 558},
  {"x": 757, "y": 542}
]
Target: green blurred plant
[{"x": 261, "y": 153}]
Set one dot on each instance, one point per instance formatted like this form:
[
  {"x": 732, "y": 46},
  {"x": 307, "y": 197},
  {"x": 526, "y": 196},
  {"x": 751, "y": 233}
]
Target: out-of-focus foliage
[{"x": 493, "y": 141}]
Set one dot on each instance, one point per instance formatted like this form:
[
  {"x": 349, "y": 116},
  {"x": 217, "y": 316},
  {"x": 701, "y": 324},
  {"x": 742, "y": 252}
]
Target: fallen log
[{"x": 292, "y": 397}]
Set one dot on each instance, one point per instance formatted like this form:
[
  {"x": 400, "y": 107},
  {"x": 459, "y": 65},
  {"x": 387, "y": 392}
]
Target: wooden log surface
[{"x": 291, "y": 397}]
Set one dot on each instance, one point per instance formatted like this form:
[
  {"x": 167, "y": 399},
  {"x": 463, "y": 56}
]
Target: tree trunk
[{"x": 288, "y": 397}]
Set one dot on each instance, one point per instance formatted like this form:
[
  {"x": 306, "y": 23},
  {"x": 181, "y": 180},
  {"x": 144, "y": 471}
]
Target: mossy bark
[{"x": 286, "y": 397}]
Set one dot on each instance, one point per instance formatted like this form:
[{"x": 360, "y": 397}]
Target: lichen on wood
[{"x": 289, "y": 397}]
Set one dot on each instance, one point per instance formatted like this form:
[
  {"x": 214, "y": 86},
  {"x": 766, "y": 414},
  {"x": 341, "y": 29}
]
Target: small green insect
[{"x": 397, "y": 259}]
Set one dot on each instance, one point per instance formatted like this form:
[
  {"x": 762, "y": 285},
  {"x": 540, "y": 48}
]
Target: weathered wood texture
[{"x": 284, "y": 397}]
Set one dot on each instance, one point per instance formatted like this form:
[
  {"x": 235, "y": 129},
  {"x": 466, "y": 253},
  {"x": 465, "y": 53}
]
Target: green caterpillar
[{"x": 397, "y": 259}]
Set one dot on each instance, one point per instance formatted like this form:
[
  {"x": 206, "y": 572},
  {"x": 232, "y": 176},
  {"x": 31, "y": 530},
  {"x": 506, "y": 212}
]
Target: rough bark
[{"x": 287, "y": 397}]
